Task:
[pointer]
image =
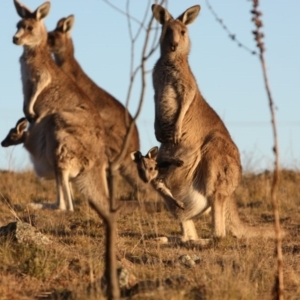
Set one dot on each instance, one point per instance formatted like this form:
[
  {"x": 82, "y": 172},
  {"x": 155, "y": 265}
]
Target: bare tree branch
[
  {"x": 110, "y": 216},
  {"x": 258, "y": 36},
  {"x": 123, "y": 12},
  {"x": 231, "y": 35}
]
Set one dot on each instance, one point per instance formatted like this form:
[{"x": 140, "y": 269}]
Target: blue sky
[{"x": 229, "y": 78}]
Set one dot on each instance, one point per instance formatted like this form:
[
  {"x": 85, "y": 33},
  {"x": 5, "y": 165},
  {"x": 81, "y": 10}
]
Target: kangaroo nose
[
  {"x": 15, "y": 39},
  {"x": 174, "y": 46}
]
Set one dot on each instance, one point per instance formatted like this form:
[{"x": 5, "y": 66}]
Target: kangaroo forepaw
[{"x": 177, "y": 137}]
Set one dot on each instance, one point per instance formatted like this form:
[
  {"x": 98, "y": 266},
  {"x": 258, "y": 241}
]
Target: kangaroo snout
[
  {"x": 174, "y": 46},
  {"x": 4, "y": 143},
  {"x": 16, "y": 40}
]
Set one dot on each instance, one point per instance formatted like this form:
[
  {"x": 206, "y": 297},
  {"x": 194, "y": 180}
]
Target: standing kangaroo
[
  {"x": 190, "y": 130},
  {"x": 67, "y": 135},
  {"x": 115, "y": 117}
]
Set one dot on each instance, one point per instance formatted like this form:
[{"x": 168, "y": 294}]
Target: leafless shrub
[
  {"x": 258, "y": 36},
  {"x": 148, "y": 33}
]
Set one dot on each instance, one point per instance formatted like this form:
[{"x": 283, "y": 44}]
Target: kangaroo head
[
  {"x": 59, "y": 40},
  {"x": 16, "y": 135},
  {"x": 31, "y": 30},
  {"x": 146, "y": 165},
  {"x": 174, "y": 37}
]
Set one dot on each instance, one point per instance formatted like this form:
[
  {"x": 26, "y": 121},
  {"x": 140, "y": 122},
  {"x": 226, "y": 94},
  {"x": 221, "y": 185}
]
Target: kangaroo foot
[
  {"x": 182, "y": 241},
  {"x": 37, "y": 206}
]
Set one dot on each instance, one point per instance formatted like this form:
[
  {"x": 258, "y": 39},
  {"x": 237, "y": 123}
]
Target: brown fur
[
  {"x": 67, "y": 136},
  {"x": 16, "y": 135},
  {"x": 116, "y": 118},
  {"x": 190, "y": 130},
  {"x": 149, "y": 171}
]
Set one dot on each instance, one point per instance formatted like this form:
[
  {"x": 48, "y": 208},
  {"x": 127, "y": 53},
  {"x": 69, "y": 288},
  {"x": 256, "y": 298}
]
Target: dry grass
[{"x": 71, "y": 267}]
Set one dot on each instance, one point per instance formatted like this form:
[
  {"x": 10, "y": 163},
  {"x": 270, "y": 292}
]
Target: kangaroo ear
[
  {"x": 42, "y": 11},
  {"x": 136, "y": 156},
  {"x": 22, "y": 10},
  {"x": 68, "y": 24},
  {"x": 21, "y": 125},
  {"x": 189, "y": 15},
  {"x": 152, "y": 153},
  {"x": 160, "y": 14}
]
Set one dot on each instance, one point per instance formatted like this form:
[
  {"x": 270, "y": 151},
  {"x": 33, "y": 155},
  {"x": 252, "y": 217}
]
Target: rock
[
  {"x": 24, "y": 233},
  {"x": 126, "y": 278},
  {"x": 195, "y": 258},
  {"x": 189, "y": 260}
]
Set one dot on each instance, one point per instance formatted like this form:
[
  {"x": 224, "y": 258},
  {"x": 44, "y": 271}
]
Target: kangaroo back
[{"x": 116, "y": 118}]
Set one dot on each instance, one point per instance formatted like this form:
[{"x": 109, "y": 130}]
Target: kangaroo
[
  {"x": 67, "y": 135},
  {"x": 116, "y": 118},
  {"x": 190, "y": 130},
  {"x": 150, "y": 171},
  {"x": 16, "y": 136}
]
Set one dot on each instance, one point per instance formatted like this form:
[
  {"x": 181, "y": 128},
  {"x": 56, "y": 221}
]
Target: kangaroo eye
[
  {"x": 29, "y": 28},
  {"x": 182, "y": 32},
  {"x": 151, "y": 169}
]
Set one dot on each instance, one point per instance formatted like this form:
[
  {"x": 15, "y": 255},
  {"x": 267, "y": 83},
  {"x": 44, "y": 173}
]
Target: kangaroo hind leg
[
  {"x": 218, "y": 215},
  {"x": 64, "y": 195}
]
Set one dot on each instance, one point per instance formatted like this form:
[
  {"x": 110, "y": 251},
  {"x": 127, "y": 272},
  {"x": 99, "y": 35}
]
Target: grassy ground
[{"x": 71, "y": 267}]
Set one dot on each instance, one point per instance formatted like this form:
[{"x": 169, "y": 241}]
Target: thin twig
[
  {"x": 12, "y": 211},
  {"x": 231, "y": 35},
  {"x": 123, "y": 12},
  {"x": 110, "y": 215},
  {"x": 258, "y": 36}
]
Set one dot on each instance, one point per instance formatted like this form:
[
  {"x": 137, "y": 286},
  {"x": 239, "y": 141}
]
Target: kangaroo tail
[{"x": 239, "y": 229}]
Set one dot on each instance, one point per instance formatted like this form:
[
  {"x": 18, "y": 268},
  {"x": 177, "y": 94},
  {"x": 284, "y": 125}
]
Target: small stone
[
  {"x": 126, "y": 278},
  {"x": 195, "y": 258},
  {"x": 123, "y": 275},
  {"x": 187, "y": 261}
]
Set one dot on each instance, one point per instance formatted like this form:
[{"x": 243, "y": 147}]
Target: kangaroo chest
[
  {"x": 29, "y": 72},
  {"x": 170, "y": 85}
]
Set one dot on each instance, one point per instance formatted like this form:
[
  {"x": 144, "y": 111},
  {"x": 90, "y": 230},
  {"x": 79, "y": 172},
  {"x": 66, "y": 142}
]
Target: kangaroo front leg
[
  {"x": 160, "y": 186},
  {"x": 37, "y": 88},
  {"x": 184, "y": 105}
]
